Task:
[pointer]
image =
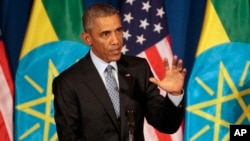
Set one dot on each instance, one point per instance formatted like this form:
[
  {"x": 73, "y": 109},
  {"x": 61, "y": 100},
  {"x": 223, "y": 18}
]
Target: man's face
[{"x": 106, "y": 38}]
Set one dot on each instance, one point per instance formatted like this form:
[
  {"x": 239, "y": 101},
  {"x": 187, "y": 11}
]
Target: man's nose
[{"x": 115, "y": 38}]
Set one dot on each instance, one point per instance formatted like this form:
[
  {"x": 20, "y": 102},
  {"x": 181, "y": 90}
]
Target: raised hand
[{"x": 173, "y": 80}]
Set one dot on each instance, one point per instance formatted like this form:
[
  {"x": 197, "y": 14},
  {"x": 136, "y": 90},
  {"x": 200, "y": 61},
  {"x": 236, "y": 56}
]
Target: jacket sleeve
[
  {"x": 66, "y": 112},
  {"x": 160, "y": 111}
]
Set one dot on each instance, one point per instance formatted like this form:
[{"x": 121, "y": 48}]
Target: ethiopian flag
[
  {"x": 218, "y": 92},
  {"x": 52, "y": 43}
]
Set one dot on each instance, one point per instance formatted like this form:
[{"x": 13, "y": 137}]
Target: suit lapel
[
  {"x": 95, "y": 83},
  {"x": 125, "y": 75}
]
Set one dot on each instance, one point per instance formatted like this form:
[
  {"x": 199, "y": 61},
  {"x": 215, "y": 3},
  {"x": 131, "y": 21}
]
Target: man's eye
[
  {"x": 120, "y": 30},
  {"x": 105, "y": 34}
]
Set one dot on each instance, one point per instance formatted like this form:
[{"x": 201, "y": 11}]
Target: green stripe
[
  {"x": 66, "y": 18},
  {"x": 235, "y": 17}
]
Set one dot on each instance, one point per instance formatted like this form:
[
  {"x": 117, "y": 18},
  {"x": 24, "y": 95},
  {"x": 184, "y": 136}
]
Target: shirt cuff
[{"x": 176, "y": 99}]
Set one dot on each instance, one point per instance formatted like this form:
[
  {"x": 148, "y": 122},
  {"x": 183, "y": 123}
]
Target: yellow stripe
[
  {"x": 213, "y": 32},
  {"x": 199, "y": 133},
  {"x": 34, "y": 84},
  {"x": 204, "y": 86},
  {"x": 39, "y": 31},
  {"x": 30, "y": 131}
]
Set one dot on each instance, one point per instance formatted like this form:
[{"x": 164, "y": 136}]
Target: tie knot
[{"x": 109, "y": 69}]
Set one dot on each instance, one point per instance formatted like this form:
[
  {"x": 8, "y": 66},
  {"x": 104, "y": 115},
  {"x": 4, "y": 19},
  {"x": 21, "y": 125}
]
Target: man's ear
[{"x": 86, "y": 38}]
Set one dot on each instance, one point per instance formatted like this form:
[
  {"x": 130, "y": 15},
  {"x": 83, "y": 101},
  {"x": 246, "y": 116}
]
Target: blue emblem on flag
[
  {"x": 218, "y": 93},
  {"x": 34, "y": 109}
]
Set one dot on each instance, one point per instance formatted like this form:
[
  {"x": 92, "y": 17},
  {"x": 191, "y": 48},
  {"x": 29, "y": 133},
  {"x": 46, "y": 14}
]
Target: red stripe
[
  {"x": 155, "y": 61},
  {"x": 163, "y": 137},
  {"x": 3, "y": 131},
  {"x": 4, "y": 135},
  {"x": 6, "y": 69}
]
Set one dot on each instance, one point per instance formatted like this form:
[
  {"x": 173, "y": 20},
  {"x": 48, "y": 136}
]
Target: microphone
[{"x": 130, "y": 113}]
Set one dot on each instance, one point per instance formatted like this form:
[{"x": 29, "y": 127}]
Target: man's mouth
[{"x": 115, "y": 51}]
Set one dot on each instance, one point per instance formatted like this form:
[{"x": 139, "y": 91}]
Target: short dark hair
[{"x": 96, "y": 11}]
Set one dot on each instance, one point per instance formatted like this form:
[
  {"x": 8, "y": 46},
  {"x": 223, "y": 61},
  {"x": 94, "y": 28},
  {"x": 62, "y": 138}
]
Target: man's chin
[{"x": 116, "y": 57}]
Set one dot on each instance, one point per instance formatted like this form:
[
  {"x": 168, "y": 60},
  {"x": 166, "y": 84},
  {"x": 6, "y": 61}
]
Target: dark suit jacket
[{"x": 83, "y": 109}]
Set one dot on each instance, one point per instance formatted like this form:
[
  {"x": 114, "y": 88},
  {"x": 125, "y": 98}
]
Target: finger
[
  {"x": 179, "y": 65},
  {"x": 184, "y": 71},
  {"x": 175, "y": 58},
  {"x": 166, "y": 64}
]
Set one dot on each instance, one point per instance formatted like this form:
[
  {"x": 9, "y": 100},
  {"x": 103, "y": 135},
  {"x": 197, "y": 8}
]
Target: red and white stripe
[
  {"x": 6, "y": 98},
  {"x": 155, "y": 55}
]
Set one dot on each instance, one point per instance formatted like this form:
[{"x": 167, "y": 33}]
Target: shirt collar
[{"x": 100, "y": 64}]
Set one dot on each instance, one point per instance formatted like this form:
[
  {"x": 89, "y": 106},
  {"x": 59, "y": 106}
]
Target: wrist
[{"x": 177, "y": 93}]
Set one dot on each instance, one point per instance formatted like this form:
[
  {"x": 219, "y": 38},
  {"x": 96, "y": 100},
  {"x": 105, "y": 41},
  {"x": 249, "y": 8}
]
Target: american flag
[
  {"x": 146, "y": 35},
  {"x": 6, "y": 97}
]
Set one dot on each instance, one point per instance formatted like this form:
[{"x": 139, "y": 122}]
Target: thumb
[{"x": 153, "y": 80}]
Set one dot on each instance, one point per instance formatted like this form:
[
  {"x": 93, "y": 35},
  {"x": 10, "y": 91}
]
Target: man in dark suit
[{"x": 84, "y": 111}]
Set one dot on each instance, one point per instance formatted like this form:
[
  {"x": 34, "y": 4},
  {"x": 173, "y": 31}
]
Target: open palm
[{"x": 173, "y": 80}]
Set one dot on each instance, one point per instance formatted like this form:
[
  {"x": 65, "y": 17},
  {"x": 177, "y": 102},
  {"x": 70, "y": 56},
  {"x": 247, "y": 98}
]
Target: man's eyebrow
[
  {"x": 119, "y": 28},
  {"x": 105, "y": 32},
  {"x": 108, "y": 31}
]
